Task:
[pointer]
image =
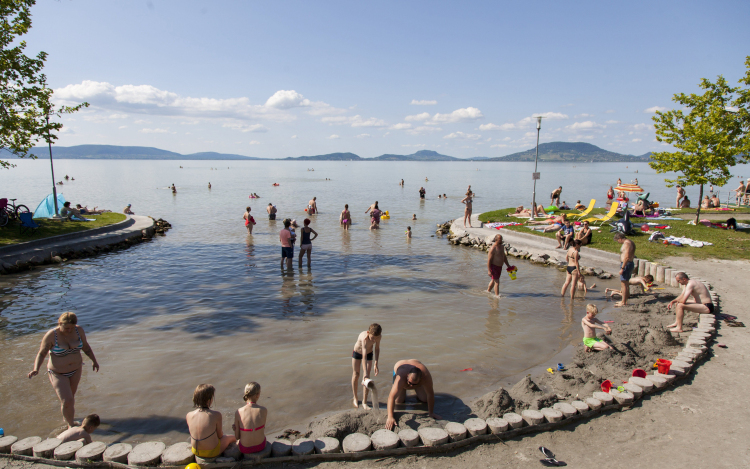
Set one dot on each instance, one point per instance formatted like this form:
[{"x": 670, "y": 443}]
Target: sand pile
[{"x": 363, "y": 421}]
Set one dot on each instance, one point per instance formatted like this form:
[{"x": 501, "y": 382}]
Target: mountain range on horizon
[{"x": 553, "y": 151}]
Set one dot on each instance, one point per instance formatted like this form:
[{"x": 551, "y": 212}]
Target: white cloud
[
  {"x": 415, "y": 145},
  {"x": 610, "y": 111},
  {"x": 400, "y": 126},
  {"x": 499, "y": 145},
  {"x": 653, "y": 109},
  {"x": 123, "y": 127},
  {"x": 424, "y": 129},
  {"x": 333, "y": 137},
  {"x": 497, "y": 127},
  {"x": 612, "y": 122},
  {"x": 583, "y": 115},
  {"x": 244, "y": 128},
  {"x": 641, "y": 127},
  {"x": 141, "y": 121},
  {"x": 463, "y": 136},
  {"x": 355, "y": 121},
  {"x": 154, "y": 131},
  {"x": 636, "y": 140},
  {"x": 423, "y": 102},
  {"x": 254, "y": 142},
  {"x": 419, "y": 117},
  {"x": 294, "y": 137},
  {"x": 118, "y": 116},
  {"x": 364, "y": 136},
  {"x": 287, "y": 99},
  {"x": 586, "y": 125},
  {"x": 507, "y": 139},
  {"x": 467, "y": 114}
]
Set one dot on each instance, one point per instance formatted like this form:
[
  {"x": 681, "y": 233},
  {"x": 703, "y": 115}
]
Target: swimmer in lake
[
  {"x": 372, "y": 207},
  {"x": 345, "y": 218},
  {"x": 312, "y": 206},
  {"x": 590, "y": 324},
  {"x": 495, "y": 259},
  {"x": 408, "y": 232},
  {"x": 410, "y": 375},
  {"x": 414, "y": 217},
  {"x": 367, "y": 345}
]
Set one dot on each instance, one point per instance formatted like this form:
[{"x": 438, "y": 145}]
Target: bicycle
[{"x": 10, "y": 212}]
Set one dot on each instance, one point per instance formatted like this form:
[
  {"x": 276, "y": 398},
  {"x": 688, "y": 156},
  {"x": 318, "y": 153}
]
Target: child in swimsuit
[
  {"x": 250, "y": 421},
  {"x": 590, "y": 324},
  {"x": 368, "y": 347}
]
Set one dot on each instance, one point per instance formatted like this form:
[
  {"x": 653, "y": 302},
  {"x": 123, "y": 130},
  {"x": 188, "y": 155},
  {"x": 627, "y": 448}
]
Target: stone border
[
  {"x": 437, "y": 440},
  {"x": 81, "y": 244}
]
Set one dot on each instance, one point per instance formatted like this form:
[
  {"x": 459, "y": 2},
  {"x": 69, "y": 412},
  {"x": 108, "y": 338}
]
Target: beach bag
[{"x": 656, "y": 236}]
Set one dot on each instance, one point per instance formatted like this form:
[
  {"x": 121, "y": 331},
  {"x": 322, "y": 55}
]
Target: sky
[{"x": 292, "y": 78}]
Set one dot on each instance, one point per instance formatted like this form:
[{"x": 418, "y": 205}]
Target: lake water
[{"x": 209, "y": 303}]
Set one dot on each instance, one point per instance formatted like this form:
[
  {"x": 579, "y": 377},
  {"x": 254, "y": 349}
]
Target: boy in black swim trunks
[{"x": 368, "y": 344}]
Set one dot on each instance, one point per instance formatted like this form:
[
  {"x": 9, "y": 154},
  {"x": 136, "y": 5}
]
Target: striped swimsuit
[{"x": 62, "y": 352}]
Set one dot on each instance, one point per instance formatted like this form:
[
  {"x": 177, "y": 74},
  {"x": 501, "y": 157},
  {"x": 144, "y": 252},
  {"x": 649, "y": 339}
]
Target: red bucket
[
  {"x": 662, "y": 366},
  {"x": 639, "y": 373},
  {"x": 606, "y": 385}
]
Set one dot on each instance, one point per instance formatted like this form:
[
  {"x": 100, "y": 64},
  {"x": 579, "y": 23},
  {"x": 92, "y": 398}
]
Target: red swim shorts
[{"x": 496, "y": 271}]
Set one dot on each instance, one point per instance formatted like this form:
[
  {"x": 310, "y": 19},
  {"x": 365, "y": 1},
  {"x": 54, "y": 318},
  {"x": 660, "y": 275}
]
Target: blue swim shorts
[
  {"x": 627, "y": 271},
  {"x": 287, "y": 252}
]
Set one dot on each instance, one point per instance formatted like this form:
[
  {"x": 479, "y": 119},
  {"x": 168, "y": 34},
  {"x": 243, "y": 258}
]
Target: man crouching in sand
[
  {"x": 495, "y": 259},
  {"x": 694, "y": 288},
  {"x": 410, "y": 374}
]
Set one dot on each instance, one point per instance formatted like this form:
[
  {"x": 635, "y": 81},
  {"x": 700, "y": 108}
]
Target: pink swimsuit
[{"x": 255, "y": 448}]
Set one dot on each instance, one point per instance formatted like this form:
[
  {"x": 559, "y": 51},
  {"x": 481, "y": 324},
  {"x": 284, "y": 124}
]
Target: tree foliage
[
  {"x": 25, "y": 100},
  {"x": 708, "y": 134}
]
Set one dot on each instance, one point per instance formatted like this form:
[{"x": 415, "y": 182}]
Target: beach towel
[
  {"x": 687, "y": 242},
  {"x": 498, "y": 225}
]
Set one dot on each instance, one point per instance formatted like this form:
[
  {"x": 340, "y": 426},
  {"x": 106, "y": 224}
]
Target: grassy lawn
[
  {"x": 727, "y": 244},
  {"x": 9, "y": 234}
]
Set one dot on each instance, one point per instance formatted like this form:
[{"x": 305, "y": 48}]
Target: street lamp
[{"x": 535, "y": 174}]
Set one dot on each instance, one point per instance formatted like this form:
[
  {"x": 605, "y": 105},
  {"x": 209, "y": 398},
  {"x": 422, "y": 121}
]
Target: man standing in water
[
  {"x": 627, "y": 254},
  {"x": 555, "y": 196},
  {"x": 694, "y": 288},
  {"x": 372, "y": 207},
  {"x": 421, "y": 192},
  {"x": 271, "y": 209},
  {"x": 312, "y": 206},
  {"x": 410, "y": 374},
  {"x": 287, "y": 250},
  {"x": 495, "y": 259}
]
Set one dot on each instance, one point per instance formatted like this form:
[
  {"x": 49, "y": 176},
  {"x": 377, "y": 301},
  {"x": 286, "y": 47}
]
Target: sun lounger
[
  {"x": 607, "y": 217},
  {"x": 587, "y": 211}
]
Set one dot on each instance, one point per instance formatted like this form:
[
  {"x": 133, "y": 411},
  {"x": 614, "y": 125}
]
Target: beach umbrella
[{"x": 629, "y": 188}]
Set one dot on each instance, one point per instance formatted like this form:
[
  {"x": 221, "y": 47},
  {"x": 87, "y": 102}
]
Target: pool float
[
  {"x": 385, "y": 216},
  {"x": 275, "y": 183}
]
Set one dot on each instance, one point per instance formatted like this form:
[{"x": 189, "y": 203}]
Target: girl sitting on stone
[
  {"x": 206, "y": 436},
  {"x": 250, "y": 421}
]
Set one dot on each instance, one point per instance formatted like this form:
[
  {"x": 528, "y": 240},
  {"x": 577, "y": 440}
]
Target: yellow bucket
[{"x": 512, "y": 274}]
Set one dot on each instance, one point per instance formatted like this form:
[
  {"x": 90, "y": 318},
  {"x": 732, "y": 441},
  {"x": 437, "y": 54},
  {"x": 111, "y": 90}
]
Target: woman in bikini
[
  {"x": 207, "y": 439},
  {"x": 345, "y": 218},
  {"x": 250, "y": 421},
  {"x": 249, "y": 220},
  {"x": 64, "y": 344},
  {"x": 573, "y": 269},
  {"x": 467, "y": 211}
]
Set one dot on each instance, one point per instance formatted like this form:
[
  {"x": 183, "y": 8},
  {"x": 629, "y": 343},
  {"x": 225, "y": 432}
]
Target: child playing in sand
[
  {"x": 582, "y": 284},
  {"x": 645, "y": 283},
  {"x": 368, "y": 344},
  {"x": 590, "y": 324},
  {"x": 89, "y": 424},
  {"x": 408, "y": 232}
]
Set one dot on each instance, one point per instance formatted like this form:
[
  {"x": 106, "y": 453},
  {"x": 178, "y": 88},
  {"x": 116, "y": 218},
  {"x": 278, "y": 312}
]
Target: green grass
[
  {"x": 727, "y": 244},
  {"x": 10, "y": 234}
]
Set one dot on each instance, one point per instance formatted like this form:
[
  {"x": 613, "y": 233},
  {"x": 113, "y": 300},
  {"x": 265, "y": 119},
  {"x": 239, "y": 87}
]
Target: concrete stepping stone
[
  {"x": 46, "y": 448},
  {"x": 699, "y": 335},
  {"x": 232, "y": 451},
  {"x": 580, "y": 406},
  {"x": 646, "y": 385},
  {"x": 281, "y": 448},
  {"x": 25, "y": 447},
  {"x": 262, "y": 454},
  {"x": 696, "y": 342},
  {"x": 179, "y": 454},
  {"x": 326, "y": 445},
  {"x": 203, "y": 461},
  {"x": 117, "y": 453},
  {"x": 669, "y": 378},
  {"x": 384, "y": 439},
  {"x": 224, "y": 459},
  {"x": 67, "y": 451},
  {"x": 146, "y": 454},
  {"x": 622, "y": 398},
  {"x": 513, "y": 419},
  {"x": 433, "y": 436},
  {"x": 358, "y": 442},
  {"x": 497, "y": 425},
  {"x": 606, "y": 399},
  {"x": 476, "y": 426},
  {"x": 92, "y": 452},
  {"x": 6, "y": 442},
  {"x": 659, "y": 381},
  {"x": 593, "y": 403},
  {"x": 633, "y": 389},
  {"x": 567, "y": 410},
  {"x": 552, "y": 415},
  {"x": 687, "y": 357},
  {"x": 409, "y": 437},
  {"x": 303, "y": 447},
  {"x": 456, "y": 431},
  {"x": 532, "y": 417},
  {"x": 681, "y": 364}
]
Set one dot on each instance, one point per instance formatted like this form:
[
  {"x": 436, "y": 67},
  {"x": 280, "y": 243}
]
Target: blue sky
[{"x": 277, "y": 79}]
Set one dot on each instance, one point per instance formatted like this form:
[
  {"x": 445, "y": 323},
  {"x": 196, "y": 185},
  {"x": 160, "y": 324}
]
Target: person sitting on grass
[
  {"x": 580, "y": 206},
  {"x": 706, "y": 202},
  {"x": 90, "y": 423},
  {"x": 715, "y": 202},
  {"x": 685, "y": 203},
  {"x": 564, "y": 206},
  {"x": 590, "y": 324},
  {"x": 70, "y": 212},
  {"x": 565, "y": 235},
  {"x": 585, "y": 234},
  {"x": 645, "y": 282}
]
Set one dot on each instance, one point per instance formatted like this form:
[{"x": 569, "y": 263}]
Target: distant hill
[
  {"x": 116, "y": 152},
  {"x": 421, "y": 155},
  {"x": 570, "y": 152},
  {"x": 328, "y": 157}
]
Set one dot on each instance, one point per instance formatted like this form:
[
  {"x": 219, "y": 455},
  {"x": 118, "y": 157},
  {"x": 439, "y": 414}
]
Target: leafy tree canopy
[{"x": 25, "y": 104}]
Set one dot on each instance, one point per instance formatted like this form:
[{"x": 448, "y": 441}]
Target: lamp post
[
  {"x": 52, "y": 168},
  {"x": 535, "y": 174}
]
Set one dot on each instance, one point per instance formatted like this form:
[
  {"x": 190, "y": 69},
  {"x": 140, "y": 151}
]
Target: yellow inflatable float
[{"x": 385, "y": 216}]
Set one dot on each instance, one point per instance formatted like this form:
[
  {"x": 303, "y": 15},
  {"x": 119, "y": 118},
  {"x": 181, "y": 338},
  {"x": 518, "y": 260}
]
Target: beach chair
[
  {"x": 587, "y": 211},
  {"x": 27, "y": 223},
  {"x": 607, "y": 217}
]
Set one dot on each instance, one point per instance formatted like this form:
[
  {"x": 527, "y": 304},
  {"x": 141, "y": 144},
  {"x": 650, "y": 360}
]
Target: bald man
[{"x": 410, "y": 374}]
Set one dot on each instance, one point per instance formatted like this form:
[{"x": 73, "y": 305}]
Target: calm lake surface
[{"x": 208, "y": 302}]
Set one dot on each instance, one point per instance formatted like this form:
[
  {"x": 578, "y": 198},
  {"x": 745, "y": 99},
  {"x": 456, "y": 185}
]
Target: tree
[
  {"x": 742, "y": 105},
  {"x": 25, "y": 106},
  {"x": 708, "y": 136}
]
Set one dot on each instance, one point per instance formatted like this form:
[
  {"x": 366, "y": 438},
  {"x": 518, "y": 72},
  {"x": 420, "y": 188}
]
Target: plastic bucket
[
  {"x": 639, "y": 373},
  {"x": 662, "y": 366},
  {"x": 606, "y": 385}
]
